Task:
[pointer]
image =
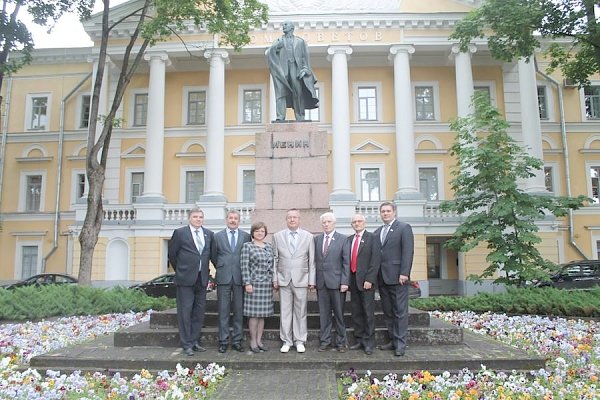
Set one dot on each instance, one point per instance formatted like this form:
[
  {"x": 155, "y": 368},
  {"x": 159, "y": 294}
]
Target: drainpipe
[
  {"x": 563, "y": 136},
  {"x": 4, "y": 134},
  {"x": 61, "y": 140}
]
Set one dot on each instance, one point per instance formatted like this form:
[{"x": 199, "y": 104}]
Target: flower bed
[
  {"x": 572, "y": 350},
  {"x": 20, "y": 342}
]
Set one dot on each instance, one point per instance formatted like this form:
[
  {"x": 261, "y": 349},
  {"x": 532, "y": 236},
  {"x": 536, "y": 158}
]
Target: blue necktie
[{"x": 232, "y": 241}]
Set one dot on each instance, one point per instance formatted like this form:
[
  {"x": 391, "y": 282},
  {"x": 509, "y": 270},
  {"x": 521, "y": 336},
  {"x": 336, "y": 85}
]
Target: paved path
[{"x": 317, "y": 384}]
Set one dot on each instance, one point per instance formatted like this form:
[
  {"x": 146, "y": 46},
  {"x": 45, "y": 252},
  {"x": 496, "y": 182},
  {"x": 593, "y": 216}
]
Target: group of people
[{"x": 249, "y": 269}]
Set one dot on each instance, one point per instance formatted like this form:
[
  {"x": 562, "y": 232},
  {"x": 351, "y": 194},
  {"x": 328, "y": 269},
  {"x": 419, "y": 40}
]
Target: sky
[{"x": 68, "y": 31}]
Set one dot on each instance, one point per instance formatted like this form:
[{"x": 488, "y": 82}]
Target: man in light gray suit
[
  {"x": 397, "y": 250},
  {"x": 226, "y": 259},
  {"x": 333, "y": 277},
  {"x": 294, "y": 251}
]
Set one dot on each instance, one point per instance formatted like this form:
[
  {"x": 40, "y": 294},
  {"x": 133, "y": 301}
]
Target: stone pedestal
[{"x": 291, "y": 172}]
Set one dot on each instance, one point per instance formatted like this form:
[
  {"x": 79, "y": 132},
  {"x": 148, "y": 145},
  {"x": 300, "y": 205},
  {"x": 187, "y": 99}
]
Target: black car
[
  {"x": 164, "y": 285},
  {"x": 575, "y": 275},
  {"x": 44, "y": 279}
]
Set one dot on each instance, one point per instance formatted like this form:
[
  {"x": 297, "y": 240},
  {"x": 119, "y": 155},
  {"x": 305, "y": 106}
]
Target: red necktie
[{"x": 354, "y": 254}]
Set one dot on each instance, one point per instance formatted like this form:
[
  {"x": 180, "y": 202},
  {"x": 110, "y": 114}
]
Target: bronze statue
[{"x": 293, "y": 78}]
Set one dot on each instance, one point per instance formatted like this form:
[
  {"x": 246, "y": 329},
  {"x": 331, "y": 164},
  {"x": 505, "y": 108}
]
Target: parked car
[
  {"x": 164, "y": 285},
  {"x": 575, "y": 275},
  {"x": 44, "y": 279}
]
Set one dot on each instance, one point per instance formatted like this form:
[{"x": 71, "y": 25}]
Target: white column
[
  {"x": 404, "y": 116},
  {"x": 530, "y": 122},
  {"x": 464, "y": 80},
  {"x": 155, "y": 129},
  {"x": 340, "y": 124},
  {"x": 215, "y": 124}
]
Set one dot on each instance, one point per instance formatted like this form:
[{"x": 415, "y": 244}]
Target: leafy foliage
[
  {"x": 498, "y": 212},
  {"x": 32, "y": 303},
  {"x": 533, "y": 301},
  {"x": 518, "y": 26}
]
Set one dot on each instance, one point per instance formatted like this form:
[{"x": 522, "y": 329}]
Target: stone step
[
  {"x": 438, "y": 332},
  {"x": 168, "y": 319},
  {"x": 475, "y": 350}
]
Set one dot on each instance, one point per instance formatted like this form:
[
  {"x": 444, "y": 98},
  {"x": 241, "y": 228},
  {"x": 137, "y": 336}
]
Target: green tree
[
  {"x": 497, "y": 212},
  {"x": 15, "y": 38},
  {"x": 516, "y": 28},
  {"x": 153, "y": 21}
]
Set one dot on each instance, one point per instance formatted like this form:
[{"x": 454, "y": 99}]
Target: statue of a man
[{"x": 293, "y": 78}]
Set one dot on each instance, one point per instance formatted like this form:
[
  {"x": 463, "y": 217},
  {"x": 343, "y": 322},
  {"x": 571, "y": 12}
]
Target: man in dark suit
[
  {"x": 365, "y": 253},
  {"x": 331, "y": 262},
  {"x": 189, "y": 255},
  {"x": 397, "y": 250},
  {"x": 226, "y": 259}
]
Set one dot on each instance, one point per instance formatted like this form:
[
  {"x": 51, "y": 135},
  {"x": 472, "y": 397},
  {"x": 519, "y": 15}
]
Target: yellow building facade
[{"x": 389, "y": 83}]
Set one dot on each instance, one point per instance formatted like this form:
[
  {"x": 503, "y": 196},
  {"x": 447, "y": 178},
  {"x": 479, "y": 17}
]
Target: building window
[
  {"x": 196, "y": 107},
  {"x": 595, "y": 183},
  {"x": 252, "y": 106},
  {"x": 137, "y": 185},
  {"x": 33, "y": 192},
  {"x": 542, "y": 102},
  {"x": 314, "y": 114},
  {"x": 428, "y": 183},
  {"x": 79, "y": 186},
  {"x": 434, "y": 251},
  {"x": 597, "y": 249},
  {"x": 549, "y": 178},
  {"x": 29, "y": 261},
  {"x": 248, "y": 186},
  {"x": 370, "y": 184},
  {"x": 485, "y": 90},
  {"x": 367, "y": 103},
  {"x": 194, "y": 186},
  {"x": 84, "y": 114},
  {"x": 39, "y": 112},
  {"x": 140, "y": 109},
  {"x": 592, "y": 102},
  {"x": 424, "y": 103}
]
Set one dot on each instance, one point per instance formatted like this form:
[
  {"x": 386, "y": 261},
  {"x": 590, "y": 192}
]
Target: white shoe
[
  {"x": 300, "y": 348},
  {"x": 285, "y": 348}
]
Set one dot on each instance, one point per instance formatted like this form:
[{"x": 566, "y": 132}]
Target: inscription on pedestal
[{"x": 291, "y": 172}]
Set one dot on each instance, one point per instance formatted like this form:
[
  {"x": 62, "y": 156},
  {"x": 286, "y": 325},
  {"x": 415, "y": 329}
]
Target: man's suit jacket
[
  {"x": 299, "y": 267},
  {"x": 396, "y": 252},
  {"x": 227, "y": 262},
  {"x": 368, "y": 258},
  {"x": 185, "y": 258},
  {"x": 333, "y": 268}
]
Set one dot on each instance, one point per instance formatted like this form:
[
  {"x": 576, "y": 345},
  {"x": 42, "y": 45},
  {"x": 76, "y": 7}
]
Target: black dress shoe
[
  {"x": 368, "y": 351},
  {"x": 199, "y": 348},
  {"x": 222, "y": 348},
  {"x": 356, "y": 346},
  {"x": 188, "y": 352},
  {"x": 399, "y": 352},
  {"x": 237, "y": 347},
  {"x": 387, "y": 346}
]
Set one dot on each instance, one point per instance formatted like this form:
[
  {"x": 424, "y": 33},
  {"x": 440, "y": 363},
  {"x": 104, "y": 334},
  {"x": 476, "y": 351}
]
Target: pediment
[
  {"x": 137, "y": 151},
  {"x": 370, "y": 147},
  {"x": 247, "y": 149}
]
